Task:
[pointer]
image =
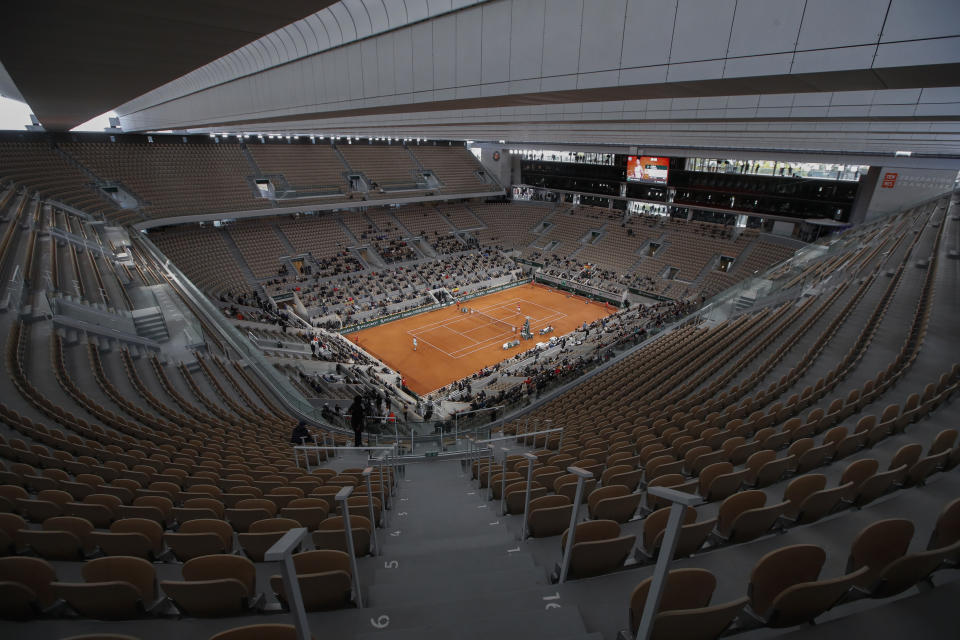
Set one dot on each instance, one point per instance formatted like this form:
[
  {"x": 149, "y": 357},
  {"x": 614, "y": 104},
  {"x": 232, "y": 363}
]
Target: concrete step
[
  {"x": 444, "y": 587},
  {"x": 552, "y": 624},
  {"x": 411, "y": 568}
]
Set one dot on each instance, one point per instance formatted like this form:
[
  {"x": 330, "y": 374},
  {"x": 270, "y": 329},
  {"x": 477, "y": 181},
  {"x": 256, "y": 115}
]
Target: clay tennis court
[{"x": 452, "y": 344}]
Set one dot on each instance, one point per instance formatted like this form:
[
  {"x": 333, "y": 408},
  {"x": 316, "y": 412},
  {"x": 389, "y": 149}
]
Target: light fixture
[{"x": 901, "y": 154}]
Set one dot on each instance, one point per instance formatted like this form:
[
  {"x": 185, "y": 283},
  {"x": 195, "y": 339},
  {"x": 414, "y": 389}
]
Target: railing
[
  {"x": 282, "y": 551},
  {"x": 342, "y": 496},
  {"x": 383, "y": 459},
  {"x": 582, "y": 476}
]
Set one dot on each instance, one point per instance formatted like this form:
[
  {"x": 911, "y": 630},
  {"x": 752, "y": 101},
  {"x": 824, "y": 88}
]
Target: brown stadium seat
[
  {"x": 499, "y": 479},
  {"x": 263, "y": 534},
  {"x": 214, "y": 586},
  {"x": 598, "y": 548},
  {"x": 718, "y": 481},
  {"x": 200, "y": 538},
  {"x": 325, "y": 580},
  {"x": 693, "y": 534},
  {"x": 859, "y": 472},
  {"x": 359, "y": 505},
  {"x": 910, "y": 570},
  {"x": 878, "y": 484},
  {"x": 877, "y": 545},
  {"x": 195, "y": 508},
  {"x": 157, "y": 508},
  {"x": 10, "y": 523},
  {"x": 25, "y": 587},
  {"x": 947, "y": 529},
  {"x": 102, "y": 636},
  {"x": 48, "y": 504},
  {"x": 622, "y": 474},
  {"x": 331, "y": 534},
  {"x": 309, "y": 512},
  {"x": 746, "y": 515},
  {"x": 785, "y": 590},
  {"x": 62, "y": 538},
  {"x": 684, "y": 607},
  {"x": 131, "y": 537},
  {"x": 549, "y": 516},
  {"x": 566, "y": 485},
  {"x": 546, "y": 475},
  {"x": 248, "y": 511},
  {"x": 918, "y": 473},
  {"x": 326, "y": 493},
  {"x": 115, "y": 588},
  {"x": 517, "y": 495},
  {"x": 259, "y": 632},
  {"x": 614, "y": 502},
  {"x": 944, "y": 441},
  {"x": 98, "y": 508}
]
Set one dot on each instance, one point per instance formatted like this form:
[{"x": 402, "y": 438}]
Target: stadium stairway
[
  {"x": 238, "y": 257},
  {"x": 291, "y": 250},
  {"x": 458, "y": 571},
  {"x": 473, "y": 214}
]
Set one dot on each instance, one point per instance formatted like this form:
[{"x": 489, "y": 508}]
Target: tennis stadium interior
[{"x": 528, "y": 319}]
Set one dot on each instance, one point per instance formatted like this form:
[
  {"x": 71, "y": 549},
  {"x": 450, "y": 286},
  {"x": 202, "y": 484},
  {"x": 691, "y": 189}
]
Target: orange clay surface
[{"x": 452, "y": 345}]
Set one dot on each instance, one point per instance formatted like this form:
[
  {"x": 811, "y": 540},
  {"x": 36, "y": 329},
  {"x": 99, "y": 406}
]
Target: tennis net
[{"x": 506, "y": 326}]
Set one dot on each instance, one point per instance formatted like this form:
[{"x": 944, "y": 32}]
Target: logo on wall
[
  {"x": 496, "y": 156},
  {"x": 889, "y": 181}
]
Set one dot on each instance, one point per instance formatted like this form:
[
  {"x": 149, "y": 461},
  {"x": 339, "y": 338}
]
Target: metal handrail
[
  {"x": 342, "y": 496},
  {"x": 516, "y": 436},
  {"x": 373, "y": 520},
  {"x": 531, "y": 461},
  {"x": 582, "y": 475},
  {"x": 681, "y": 502},
  {"x": 282, "y": 551}
]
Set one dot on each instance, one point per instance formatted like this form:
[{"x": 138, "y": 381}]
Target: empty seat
[
  {"x": 325, "y": 579},
  {"x": 62, "y": 538},
  {"x": 684, "y": 607},
  {"x": 877, "y": 545},
  {"x": 613, "y": 502},
  {"x": 259, "y": 632},
  {"x": 331, "y": 534},
  {"x": 131, "y": 537},
  {"x": 214, "y": 586},
  {"x": 947, "y": 529},
  {"x": 785, "y": 590},
  {"x": 517, "y": 495},
  {"x": 25, "y": 587},
  {"x": 598, "y": 548},
  {"x": 549, "y": 516},
  {"x": 746, "y": 515},
  {"x": 200, "y": 538},
  {"x": 692, "y": 536},
  {"x": 309, "y": 512},
  {"x": 10, "y": 523},
  {"x": 115, "y": 588},
  {"x": 263, "y": 534}
]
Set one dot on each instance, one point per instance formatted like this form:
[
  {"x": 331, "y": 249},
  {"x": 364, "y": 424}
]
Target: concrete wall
[
  {"x": 499, "y": 169},
  {"x": 898, "y": 187}
]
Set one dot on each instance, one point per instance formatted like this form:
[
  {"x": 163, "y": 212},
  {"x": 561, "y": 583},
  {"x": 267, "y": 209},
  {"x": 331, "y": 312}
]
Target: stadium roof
[
  {"x": 859, "y": 76},
  {"x": 72, "y": 60}
]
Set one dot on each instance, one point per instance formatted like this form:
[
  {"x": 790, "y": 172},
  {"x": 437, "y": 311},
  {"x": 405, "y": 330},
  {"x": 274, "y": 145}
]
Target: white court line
[
  {"x": 535, "y": 322},
  {"x": 443, "y": 351}
]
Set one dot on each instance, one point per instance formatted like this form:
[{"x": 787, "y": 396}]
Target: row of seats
[
  {"x": 786, "y": 588},
  {"x": 124, "y": 587}
]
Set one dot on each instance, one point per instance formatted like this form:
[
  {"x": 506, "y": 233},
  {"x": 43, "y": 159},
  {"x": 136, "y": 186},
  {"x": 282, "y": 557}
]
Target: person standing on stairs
[{"x": 357, "y": 418}]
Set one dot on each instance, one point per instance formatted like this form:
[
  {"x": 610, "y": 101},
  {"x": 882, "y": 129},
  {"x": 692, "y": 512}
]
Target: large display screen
[{"x": 647, "y": 169}]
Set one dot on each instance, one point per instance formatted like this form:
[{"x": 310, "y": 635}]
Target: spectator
[
  {"x": 357, "y": 418},
  {"x": 299, "y": 433}
]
